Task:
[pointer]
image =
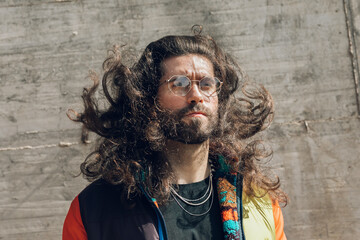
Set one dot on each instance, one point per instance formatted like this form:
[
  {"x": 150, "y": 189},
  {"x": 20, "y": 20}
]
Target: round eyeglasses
[{"x": 181, "y": 85}]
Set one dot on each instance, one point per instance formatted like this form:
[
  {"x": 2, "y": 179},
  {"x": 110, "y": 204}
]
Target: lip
[{"x": 195, "y": 114}]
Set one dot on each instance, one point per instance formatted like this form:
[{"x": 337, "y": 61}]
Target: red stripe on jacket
[{"x": 73, "y": 225}]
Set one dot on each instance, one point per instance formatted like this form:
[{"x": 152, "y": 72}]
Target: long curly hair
[{"x": 131, "y": 135}]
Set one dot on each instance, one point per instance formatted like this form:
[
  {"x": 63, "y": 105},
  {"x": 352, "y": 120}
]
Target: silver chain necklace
[
  {"x": 209, "y": 193},
  {"x": 189, "y": 201}
]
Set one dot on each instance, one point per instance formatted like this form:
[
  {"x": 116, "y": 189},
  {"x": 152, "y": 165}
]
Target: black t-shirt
[{"x": 181, "y": 225}]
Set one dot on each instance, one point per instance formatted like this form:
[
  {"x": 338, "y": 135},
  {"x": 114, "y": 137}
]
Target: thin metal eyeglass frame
[{"x": 211, "y": 95}]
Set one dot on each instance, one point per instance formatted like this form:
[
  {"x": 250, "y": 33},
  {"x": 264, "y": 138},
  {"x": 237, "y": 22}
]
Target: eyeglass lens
[{"x": 181, "y": 85}]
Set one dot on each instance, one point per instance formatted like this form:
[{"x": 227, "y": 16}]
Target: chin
[
  {"x": 193, "y": 135},
  {"x": 189, "y": 130},
  {"x": 196, "y": 122},
  {"x": 191, "y": 140}
]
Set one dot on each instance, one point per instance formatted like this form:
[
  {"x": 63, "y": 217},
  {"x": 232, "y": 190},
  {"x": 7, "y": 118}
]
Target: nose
[{"x": 195, "y": 96}]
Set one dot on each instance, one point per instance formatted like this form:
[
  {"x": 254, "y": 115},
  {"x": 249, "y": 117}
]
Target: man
[{"x": 174, "y": 161}]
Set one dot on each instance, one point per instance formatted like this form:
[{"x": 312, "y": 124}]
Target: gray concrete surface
[{"x": 305, "y": 52}]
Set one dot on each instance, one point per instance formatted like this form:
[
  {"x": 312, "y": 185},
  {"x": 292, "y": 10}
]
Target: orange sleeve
[
  {"x": 73, "y": 228},
  {"x": 279, "y": 222}
]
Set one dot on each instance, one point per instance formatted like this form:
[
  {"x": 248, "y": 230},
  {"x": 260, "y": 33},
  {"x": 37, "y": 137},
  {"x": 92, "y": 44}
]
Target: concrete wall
[{"x": 304, "y": 51}]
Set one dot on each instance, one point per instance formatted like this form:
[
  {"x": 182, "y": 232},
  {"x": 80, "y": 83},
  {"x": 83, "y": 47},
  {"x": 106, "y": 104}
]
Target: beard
[{"x": 197, "y": 130}]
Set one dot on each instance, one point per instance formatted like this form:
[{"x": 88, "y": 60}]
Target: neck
[{"x": 188, "y": 161}]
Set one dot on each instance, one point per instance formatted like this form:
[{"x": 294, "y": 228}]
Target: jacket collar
[
  {"x": 226, "y": 183},
  {"x": 226, "y": 188}
]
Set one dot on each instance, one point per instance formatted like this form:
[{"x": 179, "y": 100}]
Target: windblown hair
[{"x": 131, "y": 140}]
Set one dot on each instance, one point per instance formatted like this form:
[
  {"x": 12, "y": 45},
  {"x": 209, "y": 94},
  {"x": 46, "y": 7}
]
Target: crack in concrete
[
  {"x": 304, "y": 122},
  {"x": 34, "y": 4},
  {"x": 60, "y": 144},
  {"x": 352, "y": 50}
]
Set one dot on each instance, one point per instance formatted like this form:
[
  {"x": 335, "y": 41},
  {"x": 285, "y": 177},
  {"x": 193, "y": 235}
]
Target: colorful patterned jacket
[{"x": 96, "y": 214}]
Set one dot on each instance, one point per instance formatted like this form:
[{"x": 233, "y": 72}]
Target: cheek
[
  {"x": 170, "y": 101},
  {"x": 214, "y": 104}
]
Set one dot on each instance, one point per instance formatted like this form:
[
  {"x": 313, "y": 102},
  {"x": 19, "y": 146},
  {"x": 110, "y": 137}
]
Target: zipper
[
  {"x": 161, "y": 221},
  {"x": 240, "y": 205}
]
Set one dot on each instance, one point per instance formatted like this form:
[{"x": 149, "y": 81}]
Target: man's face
[{"x": 191, "y": 118}]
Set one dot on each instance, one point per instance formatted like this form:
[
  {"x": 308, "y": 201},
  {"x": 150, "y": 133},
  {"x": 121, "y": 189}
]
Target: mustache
[{"x": 192, "y": 108}]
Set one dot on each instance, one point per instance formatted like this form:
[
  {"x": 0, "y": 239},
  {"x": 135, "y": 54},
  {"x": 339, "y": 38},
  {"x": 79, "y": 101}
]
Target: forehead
[{"x": 191, "y": 64}]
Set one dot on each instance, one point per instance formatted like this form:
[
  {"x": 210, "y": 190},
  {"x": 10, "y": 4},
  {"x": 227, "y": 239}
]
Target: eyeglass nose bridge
[
  {"x": 198, "y": 86},
  {"x": 200, "y": 90},
  {"x": 203, "y": 92}
]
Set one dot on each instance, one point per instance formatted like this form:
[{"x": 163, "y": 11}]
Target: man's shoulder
[
  {"x": 260, "y": 199},
  {"x": 100, "y": 189},
  {"x": 105, "y": 210},
  {"x": 102, "y": 198}
]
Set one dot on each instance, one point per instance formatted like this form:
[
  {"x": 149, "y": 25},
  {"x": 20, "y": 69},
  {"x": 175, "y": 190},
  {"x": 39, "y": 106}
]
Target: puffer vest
[{"x": 104, "y": 217}]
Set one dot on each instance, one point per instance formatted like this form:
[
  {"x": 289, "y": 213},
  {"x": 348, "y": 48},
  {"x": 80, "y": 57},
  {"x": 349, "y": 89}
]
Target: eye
[
  {"x": 207, "y": 83},
  {"x": 179, "y": 82}
]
